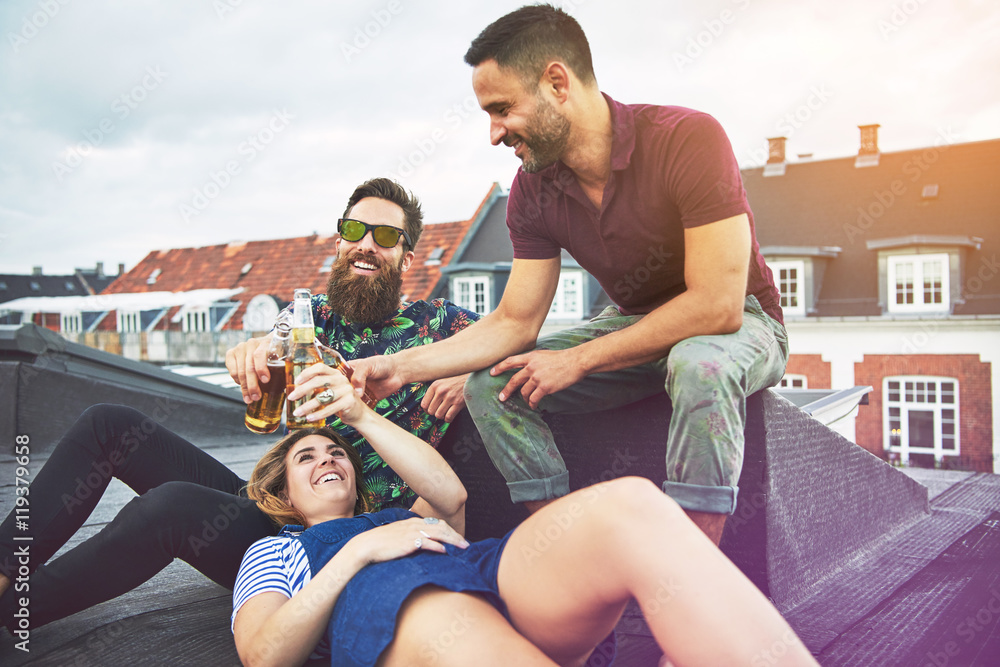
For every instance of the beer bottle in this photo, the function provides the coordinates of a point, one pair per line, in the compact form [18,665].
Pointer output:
[335,359]
[264,415]
[302,354]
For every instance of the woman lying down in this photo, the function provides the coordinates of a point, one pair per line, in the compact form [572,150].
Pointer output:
[400,587]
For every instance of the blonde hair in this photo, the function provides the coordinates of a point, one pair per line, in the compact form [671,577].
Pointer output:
[268,484]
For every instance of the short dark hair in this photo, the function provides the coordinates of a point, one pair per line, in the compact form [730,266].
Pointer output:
[528,39]
[389,190]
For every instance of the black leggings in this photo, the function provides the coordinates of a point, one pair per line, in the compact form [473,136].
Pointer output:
[190,506]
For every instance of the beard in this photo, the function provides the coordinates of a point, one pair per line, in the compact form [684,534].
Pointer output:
[549,132]
[364,299]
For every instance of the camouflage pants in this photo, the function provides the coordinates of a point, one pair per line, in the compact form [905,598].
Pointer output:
[707,378]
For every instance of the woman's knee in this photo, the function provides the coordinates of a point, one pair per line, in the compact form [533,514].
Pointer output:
[628,502]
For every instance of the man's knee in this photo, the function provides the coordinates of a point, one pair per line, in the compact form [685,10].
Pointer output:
[697,363]
[482,388]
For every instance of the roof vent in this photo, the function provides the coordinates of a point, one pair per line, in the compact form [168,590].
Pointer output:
[35,287]
[246,268]
[435,256]
[868,152]
[929,191]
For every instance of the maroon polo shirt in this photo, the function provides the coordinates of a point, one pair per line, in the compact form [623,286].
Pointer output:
[671,169]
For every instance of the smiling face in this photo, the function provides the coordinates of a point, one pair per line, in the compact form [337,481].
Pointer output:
[520,117]
[366,256]
[321,482]
[364,284]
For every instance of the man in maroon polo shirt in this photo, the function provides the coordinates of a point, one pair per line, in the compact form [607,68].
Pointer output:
[649,200]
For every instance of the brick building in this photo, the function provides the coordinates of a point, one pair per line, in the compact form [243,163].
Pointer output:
[887,266]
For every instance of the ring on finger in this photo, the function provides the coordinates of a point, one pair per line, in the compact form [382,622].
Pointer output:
[326,397]
[417,542]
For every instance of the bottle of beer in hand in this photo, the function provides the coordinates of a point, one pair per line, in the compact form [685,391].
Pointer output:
[335,359]
[302,354]
[264,415]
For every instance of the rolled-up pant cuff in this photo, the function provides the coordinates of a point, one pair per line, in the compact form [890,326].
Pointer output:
[700,498]
[539,489]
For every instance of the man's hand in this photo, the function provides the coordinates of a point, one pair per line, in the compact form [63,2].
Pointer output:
[378,373]
[445,398]
[543,372]
[247,365]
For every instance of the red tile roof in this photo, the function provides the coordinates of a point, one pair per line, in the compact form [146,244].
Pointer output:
[278,266]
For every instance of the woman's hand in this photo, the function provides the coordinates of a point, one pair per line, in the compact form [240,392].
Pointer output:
[401,538]
[346,404]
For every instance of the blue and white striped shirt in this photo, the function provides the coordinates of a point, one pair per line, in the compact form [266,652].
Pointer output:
[274,564]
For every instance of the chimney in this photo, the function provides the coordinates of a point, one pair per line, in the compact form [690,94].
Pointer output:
[121,268]
[776,150]
[775,157]
[36,270]
[868,152]
[100,270]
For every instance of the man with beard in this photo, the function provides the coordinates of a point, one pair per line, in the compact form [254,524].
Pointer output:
[182,491]
[650,201]
[362,315]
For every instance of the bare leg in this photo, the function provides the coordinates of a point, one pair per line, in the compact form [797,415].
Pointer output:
[441,628]
[710,524]
[569,569]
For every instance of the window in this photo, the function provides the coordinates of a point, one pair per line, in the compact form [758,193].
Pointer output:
[195,319]
[435,257]
[794,381]
[790,280]
[921,416]
[71,323]
[568,301]
[128,321]
[473,294]
[918,283]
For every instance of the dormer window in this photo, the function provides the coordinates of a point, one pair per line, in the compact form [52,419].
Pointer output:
[798,275]
[921,274]
[789,276]
[918,283]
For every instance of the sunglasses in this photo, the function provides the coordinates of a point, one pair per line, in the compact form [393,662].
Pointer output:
[386,236]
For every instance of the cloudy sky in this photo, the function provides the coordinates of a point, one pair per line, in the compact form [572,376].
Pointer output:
[130,126]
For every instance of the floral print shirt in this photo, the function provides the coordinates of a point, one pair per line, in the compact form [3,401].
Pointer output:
[416,323]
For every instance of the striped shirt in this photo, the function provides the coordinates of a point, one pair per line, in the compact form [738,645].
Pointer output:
[274,564]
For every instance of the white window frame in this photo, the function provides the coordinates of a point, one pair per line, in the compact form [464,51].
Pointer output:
[919,263]
[196,320]
[71,322]
[923,393]
[129,321]
[787,382]
[476,288]
[799,293]
[569,281]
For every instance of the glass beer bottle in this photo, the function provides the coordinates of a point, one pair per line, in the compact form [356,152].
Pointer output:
[336,360]
[264,414]
[302,354]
